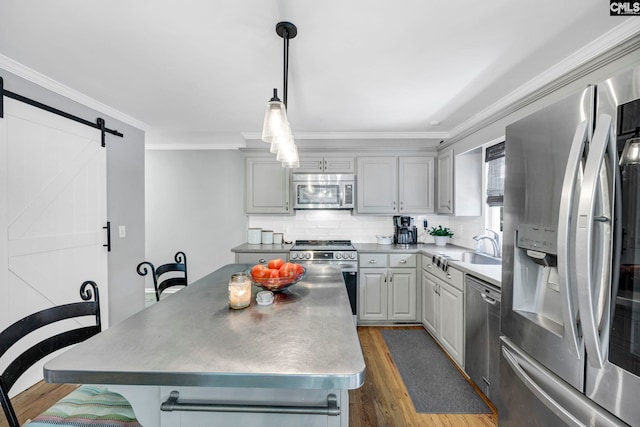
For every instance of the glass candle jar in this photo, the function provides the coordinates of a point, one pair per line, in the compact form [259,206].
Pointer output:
[239,291]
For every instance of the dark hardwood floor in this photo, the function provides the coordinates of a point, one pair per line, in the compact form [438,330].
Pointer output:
[382,401]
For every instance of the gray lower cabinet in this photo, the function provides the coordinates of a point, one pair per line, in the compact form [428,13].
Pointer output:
[387,288]
[443,307]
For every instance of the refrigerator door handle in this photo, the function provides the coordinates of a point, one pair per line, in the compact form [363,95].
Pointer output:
[545,386]
[566,260]
[594,292]
[518,365]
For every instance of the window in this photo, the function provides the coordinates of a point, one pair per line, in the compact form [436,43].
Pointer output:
[494,158]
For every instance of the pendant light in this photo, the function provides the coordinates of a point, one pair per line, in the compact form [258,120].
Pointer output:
[276,129]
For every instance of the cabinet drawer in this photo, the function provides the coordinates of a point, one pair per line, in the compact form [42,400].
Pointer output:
[402,260]
[372,260]
[452,276]
[259,257]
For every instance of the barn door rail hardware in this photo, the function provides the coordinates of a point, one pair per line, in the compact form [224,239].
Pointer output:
[99,124]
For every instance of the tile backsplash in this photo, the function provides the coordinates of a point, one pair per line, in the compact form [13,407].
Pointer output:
[328,224]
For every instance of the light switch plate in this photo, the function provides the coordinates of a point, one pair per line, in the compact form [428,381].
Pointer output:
[122,231]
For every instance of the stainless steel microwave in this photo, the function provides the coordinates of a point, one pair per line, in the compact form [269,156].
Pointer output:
[323,191]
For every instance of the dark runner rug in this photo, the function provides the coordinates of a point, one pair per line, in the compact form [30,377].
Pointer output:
[433,382]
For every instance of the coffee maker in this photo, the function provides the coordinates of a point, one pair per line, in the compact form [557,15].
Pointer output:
[405,233]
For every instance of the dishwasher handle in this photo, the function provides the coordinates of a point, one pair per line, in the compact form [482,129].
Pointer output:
[486,298]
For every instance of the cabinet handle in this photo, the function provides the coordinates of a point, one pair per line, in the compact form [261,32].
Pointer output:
[403,261]
[429,265]
[448,276]
[262,260]
[390,278]
[286,206]
[394,205]
[372,261]
[385,278]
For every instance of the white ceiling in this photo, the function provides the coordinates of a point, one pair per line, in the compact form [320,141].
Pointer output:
[359,67]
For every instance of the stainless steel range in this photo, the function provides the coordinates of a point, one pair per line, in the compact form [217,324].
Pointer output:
[331,252]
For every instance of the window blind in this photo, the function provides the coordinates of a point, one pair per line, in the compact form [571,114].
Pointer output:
[494,157]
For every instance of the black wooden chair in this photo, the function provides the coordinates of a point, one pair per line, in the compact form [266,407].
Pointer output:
[167,275]
[84,400]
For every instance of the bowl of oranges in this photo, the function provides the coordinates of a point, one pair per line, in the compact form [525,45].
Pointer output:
[277,275]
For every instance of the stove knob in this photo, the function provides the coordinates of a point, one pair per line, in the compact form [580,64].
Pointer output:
[294,255]
[338,255]
[352,255]
[307,255]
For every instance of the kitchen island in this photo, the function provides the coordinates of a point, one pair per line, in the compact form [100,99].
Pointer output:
[288,363]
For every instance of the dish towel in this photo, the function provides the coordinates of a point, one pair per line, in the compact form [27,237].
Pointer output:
[441,261]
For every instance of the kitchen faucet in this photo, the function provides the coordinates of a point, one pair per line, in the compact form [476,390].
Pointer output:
[495,242]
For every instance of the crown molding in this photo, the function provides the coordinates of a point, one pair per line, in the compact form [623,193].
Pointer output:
[169,147]
[40,79]
[356,135]
[585,60]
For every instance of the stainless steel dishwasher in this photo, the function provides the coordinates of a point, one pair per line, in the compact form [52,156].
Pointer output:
[482,342]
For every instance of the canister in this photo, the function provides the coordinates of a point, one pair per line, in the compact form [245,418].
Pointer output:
[254,236]
[267,237]
[277,238]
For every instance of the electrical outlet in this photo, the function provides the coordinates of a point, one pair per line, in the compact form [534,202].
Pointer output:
[425,223]
[122,231]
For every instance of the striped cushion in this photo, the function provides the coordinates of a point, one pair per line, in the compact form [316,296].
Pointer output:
[88,406]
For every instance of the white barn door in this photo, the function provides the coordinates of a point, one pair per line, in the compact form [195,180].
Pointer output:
[52,210]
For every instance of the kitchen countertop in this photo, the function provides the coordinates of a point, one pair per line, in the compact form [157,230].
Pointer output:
[489,273]
[306,339]
[259,248]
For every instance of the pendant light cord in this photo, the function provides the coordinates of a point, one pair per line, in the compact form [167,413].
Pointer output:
[285,85]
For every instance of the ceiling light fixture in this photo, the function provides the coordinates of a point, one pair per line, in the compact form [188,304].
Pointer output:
[276,129]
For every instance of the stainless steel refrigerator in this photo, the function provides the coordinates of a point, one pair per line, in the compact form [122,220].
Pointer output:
[570,320]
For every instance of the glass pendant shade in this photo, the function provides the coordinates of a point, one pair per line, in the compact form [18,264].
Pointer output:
[275,121]
[278,142]
[631,152]
[288,155]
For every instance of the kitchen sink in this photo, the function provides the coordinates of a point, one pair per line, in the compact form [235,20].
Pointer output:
[476,258]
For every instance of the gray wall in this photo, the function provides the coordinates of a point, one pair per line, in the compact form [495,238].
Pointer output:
[125,196]
[194,202]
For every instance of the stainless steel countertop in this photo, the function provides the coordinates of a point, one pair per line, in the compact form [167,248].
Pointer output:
[305,339]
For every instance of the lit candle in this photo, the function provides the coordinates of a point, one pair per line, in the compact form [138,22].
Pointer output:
[239,291]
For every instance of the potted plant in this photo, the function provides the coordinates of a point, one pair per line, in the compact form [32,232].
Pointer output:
[441,234]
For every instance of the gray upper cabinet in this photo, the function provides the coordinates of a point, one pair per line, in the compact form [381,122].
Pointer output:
[267,187]
[445,182]
[319,164]
[395,185]
[467,184]
[415,184]
[460,183]
[377,185]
